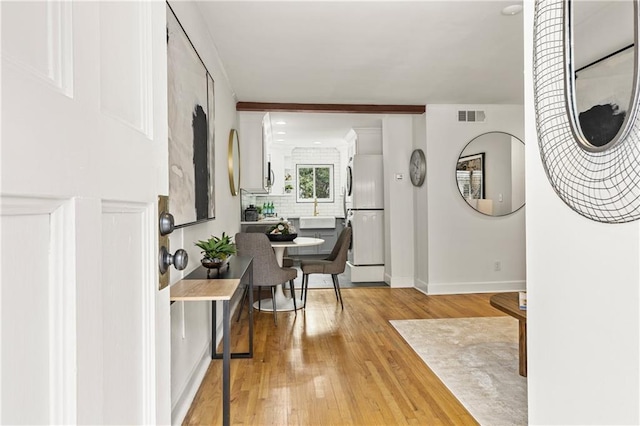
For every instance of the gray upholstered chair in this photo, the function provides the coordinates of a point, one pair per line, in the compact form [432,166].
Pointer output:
[266,271]
[334,265]
[287,262]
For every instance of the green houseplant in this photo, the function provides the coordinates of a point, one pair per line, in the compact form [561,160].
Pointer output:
[216,250]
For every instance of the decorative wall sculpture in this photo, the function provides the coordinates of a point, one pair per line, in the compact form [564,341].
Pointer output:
[601,183]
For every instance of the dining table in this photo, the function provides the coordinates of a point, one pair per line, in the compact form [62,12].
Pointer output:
[284,302]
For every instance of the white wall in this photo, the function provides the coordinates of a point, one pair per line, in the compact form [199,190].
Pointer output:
[397,142]
[420,217]
[583,285]
[190,321]
[463,245]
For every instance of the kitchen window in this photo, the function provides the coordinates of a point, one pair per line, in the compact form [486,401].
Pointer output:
[314,181]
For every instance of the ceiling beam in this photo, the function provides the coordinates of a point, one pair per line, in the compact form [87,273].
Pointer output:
[340,108]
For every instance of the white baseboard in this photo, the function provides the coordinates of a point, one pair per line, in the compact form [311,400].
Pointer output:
[474,287]
[421,285]
[399,282]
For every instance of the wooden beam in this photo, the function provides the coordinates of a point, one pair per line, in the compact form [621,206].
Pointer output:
[339,108]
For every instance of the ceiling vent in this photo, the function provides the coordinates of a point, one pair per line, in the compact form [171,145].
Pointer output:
[471,116]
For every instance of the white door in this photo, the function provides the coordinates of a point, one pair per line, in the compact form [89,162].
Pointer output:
[83,157]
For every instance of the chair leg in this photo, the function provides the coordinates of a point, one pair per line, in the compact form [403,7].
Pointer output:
[273,302]
[293,296]
[305,289]
[336,286]
[245,293]
[335,289]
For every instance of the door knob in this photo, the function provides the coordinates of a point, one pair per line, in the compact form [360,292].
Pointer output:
[179,259]
[166,223]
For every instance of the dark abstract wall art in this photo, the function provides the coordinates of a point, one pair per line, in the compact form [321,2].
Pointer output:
[191,129]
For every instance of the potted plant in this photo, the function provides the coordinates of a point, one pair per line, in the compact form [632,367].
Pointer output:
[288,188]
[216,250]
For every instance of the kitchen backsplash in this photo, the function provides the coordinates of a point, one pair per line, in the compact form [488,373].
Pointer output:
[285,205]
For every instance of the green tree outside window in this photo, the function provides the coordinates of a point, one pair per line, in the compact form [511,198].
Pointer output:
[315,181]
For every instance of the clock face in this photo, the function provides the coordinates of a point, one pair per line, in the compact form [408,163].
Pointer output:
[417,167]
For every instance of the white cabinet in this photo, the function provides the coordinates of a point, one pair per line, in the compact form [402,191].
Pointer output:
[280,159]
[253,168]
[364,141]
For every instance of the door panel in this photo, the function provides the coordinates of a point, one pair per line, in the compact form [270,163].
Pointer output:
[37,312]
[25,312]
[124,296]
[125,77]
[41,42]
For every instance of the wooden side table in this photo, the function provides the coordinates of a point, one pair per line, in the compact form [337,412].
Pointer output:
[509,304]
[220,285]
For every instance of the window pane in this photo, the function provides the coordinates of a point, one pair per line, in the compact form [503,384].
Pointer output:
[305,182]
[323,180]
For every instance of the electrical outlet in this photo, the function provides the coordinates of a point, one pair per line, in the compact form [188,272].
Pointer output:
[497,266]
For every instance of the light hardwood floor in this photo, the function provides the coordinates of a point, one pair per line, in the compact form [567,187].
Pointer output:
[327,366]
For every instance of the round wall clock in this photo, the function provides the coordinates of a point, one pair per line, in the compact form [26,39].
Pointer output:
[417,167]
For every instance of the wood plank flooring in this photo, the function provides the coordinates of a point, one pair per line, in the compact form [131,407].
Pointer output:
[327,366]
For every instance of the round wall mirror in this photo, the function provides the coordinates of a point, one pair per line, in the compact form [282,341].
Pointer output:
[490,173]
[233,162]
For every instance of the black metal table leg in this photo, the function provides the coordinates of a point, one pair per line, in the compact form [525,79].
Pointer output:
[226,363]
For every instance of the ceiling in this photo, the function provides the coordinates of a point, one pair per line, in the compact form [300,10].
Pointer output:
[363,52]
[380,52]
[318,129]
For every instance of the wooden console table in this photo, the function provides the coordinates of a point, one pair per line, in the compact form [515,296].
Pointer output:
[214,285]
[509,304]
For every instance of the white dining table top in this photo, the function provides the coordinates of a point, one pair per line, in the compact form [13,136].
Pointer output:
[298,242]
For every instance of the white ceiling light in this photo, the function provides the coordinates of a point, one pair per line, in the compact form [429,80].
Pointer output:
[317,142]
[281,133]
[279,140]
[281,122]
[511,10]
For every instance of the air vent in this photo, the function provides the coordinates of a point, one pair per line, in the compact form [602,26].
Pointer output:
[471,116]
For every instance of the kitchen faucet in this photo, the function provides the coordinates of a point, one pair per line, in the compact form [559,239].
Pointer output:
[315,206]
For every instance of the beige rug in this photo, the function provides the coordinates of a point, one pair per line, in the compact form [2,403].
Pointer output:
[477,359]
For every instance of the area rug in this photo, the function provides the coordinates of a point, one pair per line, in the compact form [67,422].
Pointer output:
[477,359]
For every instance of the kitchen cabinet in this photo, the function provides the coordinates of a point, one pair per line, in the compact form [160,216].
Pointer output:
[280,159]
[253,161]
[364,141]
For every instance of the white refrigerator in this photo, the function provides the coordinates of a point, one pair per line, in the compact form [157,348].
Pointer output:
[365,209]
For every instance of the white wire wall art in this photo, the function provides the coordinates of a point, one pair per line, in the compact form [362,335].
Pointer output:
[598,181]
